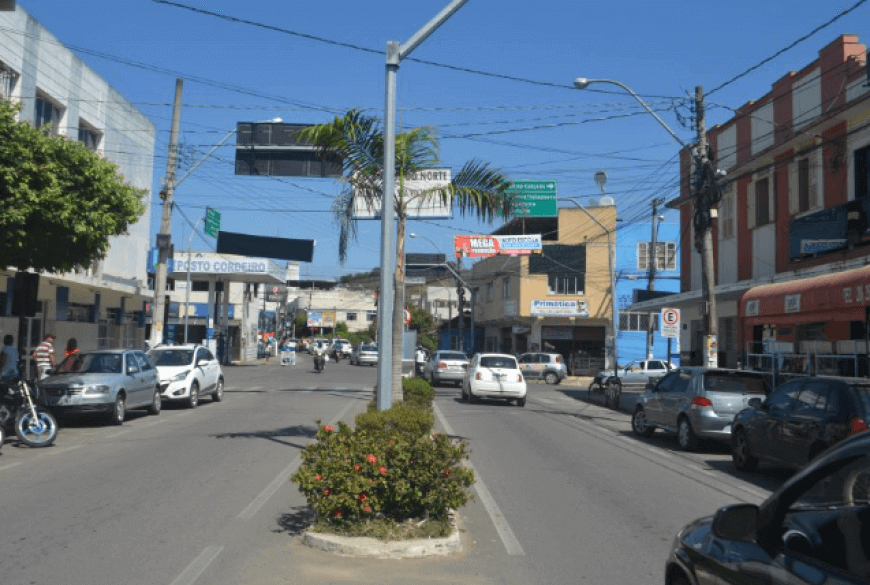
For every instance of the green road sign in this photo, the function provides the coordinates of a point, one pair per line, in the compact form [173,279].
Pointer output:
[534,198]
[212,222]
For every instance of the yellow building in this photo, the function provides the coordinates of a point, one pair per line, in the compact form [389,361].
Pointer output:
[557,301]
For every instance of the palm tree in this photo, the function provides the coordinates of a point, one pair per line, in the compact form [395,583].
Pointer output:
[356,140]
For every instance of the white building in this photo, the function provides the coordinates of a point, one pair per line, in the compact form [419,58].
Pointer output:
[103,306]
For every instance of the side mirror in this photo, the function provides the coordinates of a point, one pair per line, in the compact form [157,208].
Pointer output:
[738,522]
[131,370]
[755,403]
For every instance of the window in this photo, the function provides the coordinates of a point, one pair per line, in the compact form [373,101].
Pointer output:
[371,316]
[783,398]
[762,202]
[862,172]
[489,291]
[7,81]
[351,317]
[666,258]
[88,136]
[506,287]
[46,113]
[631,321]
[726,212]
[803,184]
[563,284]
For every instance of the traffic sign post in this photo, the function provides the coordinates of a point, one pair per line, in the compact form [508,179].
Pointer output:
[212,222]
[670,322]
[534,198]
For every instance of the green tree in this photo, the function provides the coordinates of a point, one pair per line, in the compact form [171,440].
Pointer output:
[426,327]
[356,140]
[59,202]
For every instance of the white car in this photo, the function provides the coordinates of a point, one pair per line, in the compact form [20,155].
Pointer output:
[494,375]
[187,372]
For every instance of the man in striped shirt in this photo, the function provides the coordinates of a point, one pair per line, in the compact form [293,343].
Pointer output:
[44,355]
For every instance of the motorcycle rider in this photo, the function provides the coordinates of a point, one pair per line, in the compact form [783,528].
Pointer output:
[320,356]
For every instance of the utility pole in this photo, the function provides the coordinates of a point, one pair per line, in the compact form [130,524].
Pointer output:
[164,238]
[460,295]
[705,198]
[652,266]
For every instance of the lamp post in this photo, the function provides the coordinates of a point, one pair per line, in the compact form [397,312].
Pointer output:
[614,317]
[463,283]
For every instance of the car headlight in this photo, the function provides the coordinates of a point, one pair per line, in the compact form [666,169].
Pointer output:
[179,376]
[94,390]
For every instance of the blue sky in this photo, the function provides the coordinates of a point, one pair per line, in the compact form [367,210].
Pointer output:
[536,126]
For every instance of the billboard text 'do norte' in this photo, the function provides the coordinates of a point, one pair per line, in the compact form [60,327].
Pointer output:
[486,246]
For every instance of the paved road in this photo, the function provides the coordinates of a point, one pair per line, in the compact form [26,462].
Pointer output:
[566,494]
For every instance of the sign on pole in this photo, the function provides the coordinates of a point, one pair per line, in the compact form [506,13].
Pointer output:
[419,199]
[670,322]
[212,222]
[534,198]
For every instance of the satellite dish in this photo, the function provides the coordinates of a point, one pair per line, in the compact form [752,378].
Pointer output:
[606,201]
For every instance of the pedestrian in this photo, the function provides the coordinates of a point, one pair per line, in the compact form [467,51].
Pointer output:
[8,359]
[72,347]
[44,355]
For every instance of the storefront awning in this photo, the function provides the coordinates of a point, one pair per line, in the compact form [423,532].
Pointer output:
[837,292]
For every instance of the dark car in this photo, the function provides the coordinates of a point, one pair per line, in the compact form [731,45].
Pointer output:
[815,529]
[799,420]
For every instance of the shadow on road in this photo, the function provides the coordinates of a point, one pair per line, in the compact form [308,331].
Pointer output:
[304,431]
[294,522]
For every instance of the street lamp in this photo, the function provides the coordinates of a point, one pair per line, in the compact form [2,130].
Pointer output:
[614,317]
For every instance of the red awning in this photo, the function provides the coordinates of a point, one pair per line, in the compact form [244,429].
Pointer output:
[830,292]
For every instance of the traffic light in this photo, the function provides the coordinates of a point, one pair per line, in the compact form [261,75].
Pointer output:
[460,293]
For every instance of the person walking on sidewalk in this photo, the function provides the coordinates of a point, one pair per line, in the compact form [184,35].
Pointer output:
[44,356]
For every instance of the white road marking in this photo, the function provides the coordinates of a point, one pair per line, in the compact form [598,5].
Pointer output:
[189,575]
[64,450]
[251,510]
[10,465]
[118,434]
[511,544]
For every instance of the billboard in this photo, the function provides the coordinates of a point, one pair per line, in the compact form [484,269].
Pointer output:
[546,308]
[274,149]
[420,202]
[486,246]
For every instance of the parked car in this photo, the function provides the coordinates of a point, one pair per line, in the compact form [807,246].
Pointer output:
[446,366]
[799,420]
[494,375]
[549,367]
[696,403]
[813,529]
[364,354]
[638,373]
[107,382]
[187,372]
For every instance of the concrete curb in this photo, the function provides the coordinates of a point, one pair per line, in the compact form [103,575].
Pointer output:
[365,547]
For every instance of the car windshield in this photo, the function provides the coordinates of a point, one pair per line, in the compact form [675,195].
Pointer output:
[736,384]
[497,361]
[452,355]
[172,357]
[91,363]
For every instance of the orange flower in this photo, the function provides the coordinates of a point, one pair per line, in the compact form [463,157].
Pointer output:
[382,470]
[356,467]
[328,428]
[371,459]
[326,492]
[317,477]
[446,473]
[391,441]
[337,513]
[367,509]
[363,497]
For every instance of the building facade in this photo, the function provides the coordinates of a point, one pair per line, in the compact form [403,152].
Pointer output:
[790,240]
[558,301]
[103,306]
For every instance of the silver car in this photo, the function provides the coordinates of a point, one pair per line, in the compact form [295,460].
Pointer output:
[696,403]
[549,367]
[108,382]
[364,354]
[446,366]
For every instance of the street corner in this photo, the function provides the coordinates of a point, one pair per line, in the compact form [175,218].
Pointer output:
[366,547]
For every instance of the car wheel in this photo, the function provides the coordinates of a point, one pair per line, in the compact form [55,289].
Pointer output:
[156,403]
[551,378]
[463,394]
[640,425]
[118,410]
[218,391]
[740,454]
[521,401]
[679,580]
[686,437]
[193,398]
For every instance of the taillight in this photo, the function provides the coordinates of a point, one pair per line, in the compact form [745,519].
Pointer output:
[520,377]
[558,359]
[478,376]
[701,401]
[441,365]
[857,426]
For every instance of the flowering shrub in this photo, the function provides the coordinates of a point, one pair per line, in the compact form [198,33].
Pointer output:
[390,466]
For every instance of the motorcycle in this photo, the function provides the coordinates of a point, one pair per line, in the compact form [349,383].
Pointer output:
[34,426]
[319,362]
